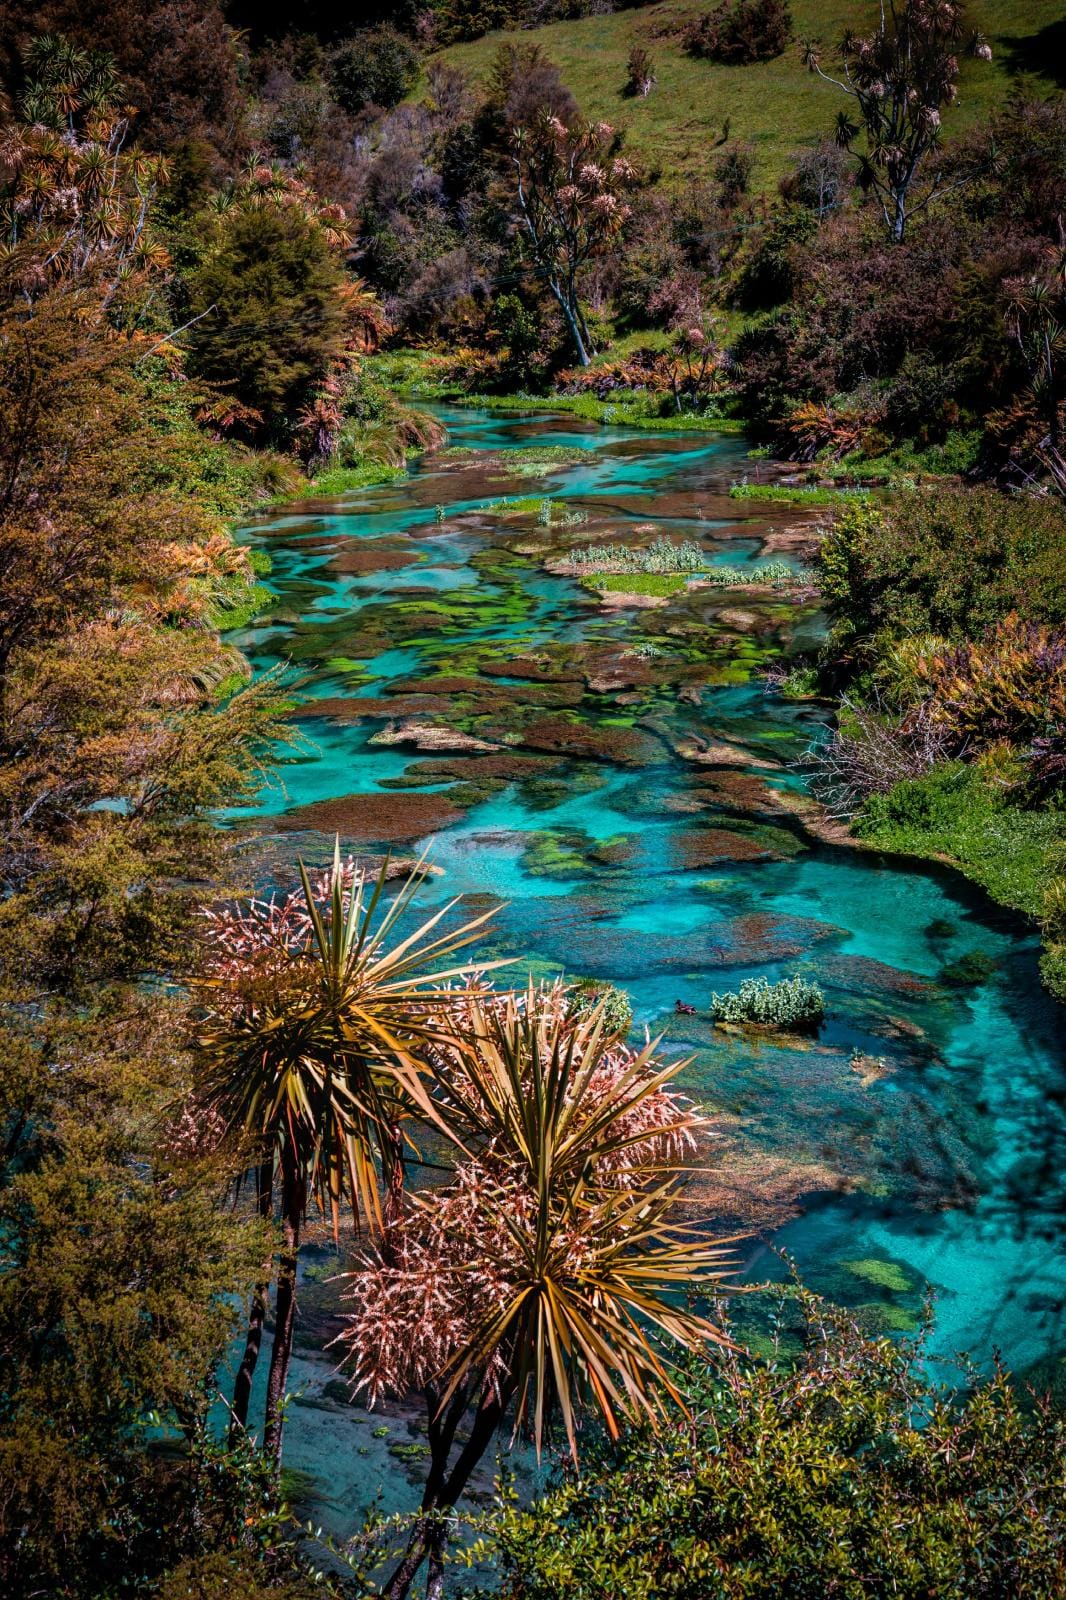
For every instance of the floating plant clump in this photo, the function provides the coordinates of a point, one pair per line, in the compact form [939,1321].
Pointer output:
[662,555]
[777,1005]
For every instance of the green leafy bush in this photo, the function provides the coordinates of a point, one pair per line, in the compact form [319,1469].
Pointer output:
[266,289]
[951,562]
[662,555]
[771,572]
[617,1006]
[738,32]
[375,67]
[779,1005]
[841,1471]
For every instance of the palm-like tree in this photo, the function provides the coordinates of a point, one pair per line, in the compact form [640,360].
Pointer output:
[314,1009]
[548,1276]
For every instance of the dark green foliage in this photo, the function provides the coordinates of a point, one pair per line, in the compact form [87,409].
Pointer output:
[791,1002]
[738,32]
[375,67]
[523,327]
[969,971]
[117,1274]
[266,288]
[945,561]
[768,273]
[835,1469]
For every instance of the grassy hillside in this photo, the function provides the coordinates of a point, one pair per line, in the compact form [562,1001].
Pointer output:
[777,104]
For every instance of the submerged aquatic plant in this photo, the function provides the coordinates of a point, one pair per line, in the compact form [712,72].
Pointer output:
[790,1001]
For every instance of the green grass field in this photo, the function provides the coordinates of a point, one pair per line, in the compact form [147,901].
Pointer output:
[778,105]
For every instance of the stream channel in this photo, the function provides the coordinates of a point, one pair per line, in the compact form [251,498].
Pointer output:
[624,790]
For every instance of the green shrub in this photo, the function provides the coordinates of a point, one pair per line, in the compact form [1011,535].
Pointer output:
[783,1004]
[375,67]
[617,1006]
[266,292]
[739,32]
[662,555]
[772,572]
[1053,970]
[799,683]
[835,1470]
[943,561]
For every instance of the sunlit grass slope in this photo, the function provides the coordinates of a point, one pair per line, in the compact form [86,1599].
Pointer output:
[777,105]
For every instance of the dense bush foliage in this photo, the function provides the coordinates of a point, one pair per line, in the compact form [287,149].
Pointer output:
[945,561]
[266,288]
[839,1470]
[375,67]
[662,555]
[738,32]
[780,1005]
[184,206]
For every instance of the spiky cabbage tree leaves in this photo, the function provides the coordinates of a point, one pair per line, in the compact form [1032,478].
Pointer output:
[316,1010]
[549,1276]
[899,79]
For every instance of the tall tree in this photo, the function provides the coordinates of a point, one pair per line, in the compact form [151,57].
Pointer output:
[900,78]
[569,188]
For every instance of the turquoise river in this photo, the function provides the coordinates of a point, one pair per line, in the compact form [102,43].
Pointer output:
[619,779]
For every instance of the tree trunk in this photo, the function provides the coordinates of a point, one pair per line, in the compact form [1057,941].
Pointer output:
[437,1541]
[428,1536]
[293,1200]
[571,317]
[242,1385]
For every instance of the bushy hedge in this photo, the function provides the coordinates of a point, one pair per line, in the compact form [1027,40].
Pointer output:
[739,32]
[946,561]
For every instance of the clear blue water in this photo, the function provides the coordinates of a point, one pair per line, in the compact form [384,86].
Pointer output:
[941,1168]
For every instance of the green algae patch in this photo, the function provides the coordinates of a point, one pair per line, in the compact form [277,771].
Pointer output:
[879,1316]
[733,839]
[882,1274]
[363,556]
[570,736]
[660,585]
[572,853]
